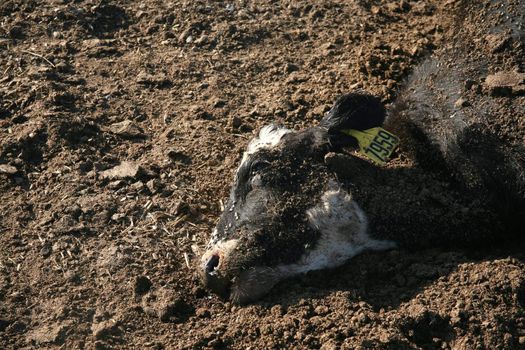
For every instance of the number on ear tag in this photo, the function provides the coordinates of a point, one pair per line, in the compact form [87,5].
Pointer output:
[376,143]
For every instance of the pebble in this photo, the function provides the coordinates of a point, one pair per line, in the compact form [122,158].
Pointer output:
[137,186]
[8,169]
[461,102]
[126,169]
[521,340]
[154,185]
[127,129]
[117,216]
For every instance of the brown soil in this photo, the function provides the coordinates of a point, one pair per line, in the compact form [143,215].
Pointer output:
[121,124]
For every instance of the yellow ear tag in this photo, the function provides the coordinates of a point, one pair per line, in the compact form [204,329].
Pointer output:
[376,143]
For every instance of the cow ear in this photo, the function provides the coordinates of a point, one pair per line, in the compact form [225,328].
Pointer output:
[358,110]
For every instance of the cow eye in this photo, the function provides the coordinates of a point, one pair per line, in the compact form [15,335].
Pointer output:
[257,166]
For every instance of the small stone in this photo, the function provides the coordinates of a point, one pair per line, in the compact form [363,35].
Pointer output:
[461,102]
[142,285]
[8,169]
[127,129]
[125,170]
[114,185]
[202,40]
[117,216]
[154,185]
[521,340]
[137,186]
[203,313]
[182,37]
[376,10]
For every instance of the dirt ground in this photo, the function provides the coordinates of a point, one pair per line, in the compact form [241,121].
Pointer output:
[121,124]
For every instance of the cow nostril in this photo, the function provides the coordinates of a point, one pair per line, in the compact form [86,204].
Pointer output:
[212,263]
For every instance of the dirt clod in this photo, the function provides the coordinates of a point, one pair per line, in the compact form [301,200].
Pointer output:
[127,129]
[168,306]
[505,83]
[124,170]
[48,334]
[105,329]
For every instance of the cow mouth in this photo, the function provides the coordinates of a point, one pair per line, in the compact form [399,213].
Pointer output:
[217,284]
[245,287]
[253,283]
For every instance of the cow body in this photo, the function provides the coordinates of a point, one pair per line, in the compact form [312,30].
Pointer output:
[298,203]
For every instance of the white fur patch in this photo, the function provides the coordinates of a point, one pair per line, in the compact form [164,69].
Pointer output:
[269,137]
[343,226]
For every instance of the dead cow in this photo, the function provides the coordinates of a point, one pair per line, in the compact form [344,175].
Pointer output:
[298,203]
